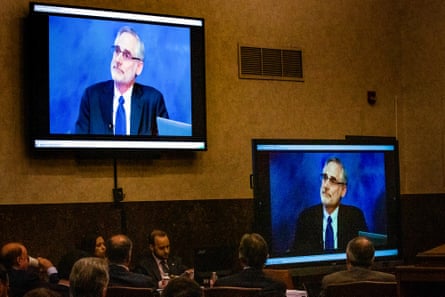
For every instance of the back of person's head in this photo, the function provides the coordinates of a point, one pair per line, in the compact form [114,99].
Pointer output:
[41,292]
[10,252]
[155,233]
[89,277]
[67,261]
[181,287]
[253,250]
[360,252]
[119,249]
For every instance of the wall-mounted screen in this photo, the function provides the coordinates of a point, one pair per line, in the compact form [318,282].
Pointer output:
[85,60]
[298,184]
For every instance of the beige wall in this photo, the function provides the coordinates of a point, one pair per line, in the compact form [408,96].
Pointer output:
[349,47]
[422,103]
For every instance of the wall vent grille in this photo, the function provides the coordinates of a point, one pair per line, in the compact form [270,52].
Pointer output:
[271,64]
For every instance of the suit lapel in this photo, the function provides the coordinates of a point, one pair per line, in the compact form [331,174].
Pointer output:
[340,232]
[136,110]
[106,102]
[318,225]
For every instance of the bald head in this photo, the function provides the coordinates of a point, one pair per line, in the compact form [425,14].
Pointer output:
[360,252]
[119,249]
[14,255]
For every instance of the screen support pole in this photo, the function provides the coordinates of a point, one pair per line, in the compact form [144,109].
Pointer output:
[118,197]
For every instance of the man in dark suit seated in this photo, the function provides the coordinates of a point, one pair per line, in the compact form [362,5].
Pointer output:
[359,259]
[121,106]
[119,249]
[253,252]
[329,225]
[157,262]
[24,271]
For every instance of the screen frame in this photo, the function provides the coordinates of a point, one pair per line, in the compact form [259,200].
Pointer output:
[38,107]
[262,202]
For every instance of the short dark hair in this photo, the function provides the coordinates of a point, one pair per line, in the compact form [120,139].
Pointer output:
[154,233]
[119,249]
[89,277]
[360,252]
[182,287]
[253,250]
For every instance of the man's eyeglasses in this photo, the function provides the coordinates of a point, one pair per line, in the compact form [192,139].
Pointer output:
[126,55]
[332,179]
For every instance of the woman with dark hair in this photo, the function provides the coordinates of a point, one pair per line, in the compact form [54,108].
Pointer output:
[94,244]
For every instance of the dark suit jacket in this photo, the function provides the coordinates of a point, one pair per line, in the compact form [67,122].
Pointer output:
[119,276]
[309,228]
[253,278]
[353,275]
[96,110]
[147,265]
[22,281]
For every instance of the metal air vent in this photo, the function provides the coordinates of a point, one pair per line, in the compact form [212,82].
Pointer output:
[271,64]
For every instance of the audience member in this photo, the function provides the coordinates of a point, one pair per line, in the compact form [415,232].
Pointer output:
[24,277]
[89,278]
[157,262]
[42,292]
[94,244]
[119,251]
[253,253]
[4,281]
[182,287]
[359,259]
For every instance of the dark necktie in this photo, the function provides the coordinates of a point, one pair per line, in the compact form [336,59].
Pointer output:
[121,119]
[329,236]
[165,267]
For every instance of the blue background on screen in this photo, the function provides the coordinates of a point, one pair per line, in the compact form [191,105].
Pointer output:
[295,185]
[80,55]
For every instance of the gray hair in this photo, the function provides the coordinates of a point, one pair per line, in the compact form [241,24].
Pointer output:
[140,47]
[89,277]
[339,163]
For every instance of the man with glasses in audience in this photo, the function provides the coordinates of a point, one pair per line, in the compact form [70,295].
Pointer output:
[330,225]
[121,106]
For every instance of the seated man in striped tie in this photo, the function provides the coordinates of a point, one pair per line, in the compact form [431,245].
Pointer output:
[121,106]
[329,225]
[157,261]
